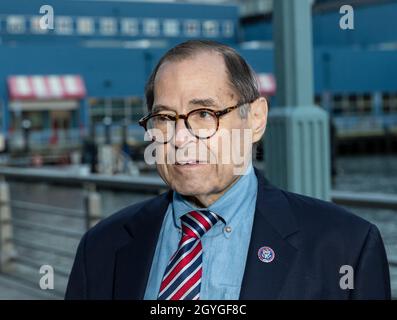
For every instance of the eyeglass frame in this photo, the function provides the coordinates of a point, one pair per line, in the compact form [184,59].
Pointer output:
[218,114]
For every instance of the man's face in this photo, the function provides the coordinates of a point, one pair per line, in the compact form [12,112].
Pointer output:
[182,86]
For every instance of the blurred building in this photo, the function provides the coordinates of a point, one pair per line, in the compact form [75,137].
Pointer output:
[94,63]
[354,69]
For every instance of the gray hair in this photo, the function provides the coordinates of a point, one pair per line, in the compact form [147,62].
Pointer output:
[240,75]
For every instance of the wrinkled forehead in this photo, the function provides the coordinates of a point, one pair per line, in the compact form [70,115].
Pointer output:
[203,74]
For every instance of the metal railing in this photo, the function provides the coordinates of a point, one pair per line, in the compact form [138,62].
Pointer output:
[34,233]
[365,199]
[72,137]
[39,139]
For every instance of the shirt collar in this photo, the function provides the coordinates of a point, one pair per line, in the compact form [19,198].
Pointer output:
[228,205]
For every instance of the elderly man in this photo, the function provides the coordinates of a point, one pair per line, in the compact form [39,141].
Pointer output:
[222,231]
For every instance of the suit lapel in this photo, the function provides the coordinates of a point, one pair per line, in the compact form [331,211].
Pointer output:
[134,260]
[273,224]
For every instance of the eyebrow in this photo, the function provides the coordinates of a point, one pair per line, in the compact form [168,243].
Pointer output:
[206,102]
[161,107]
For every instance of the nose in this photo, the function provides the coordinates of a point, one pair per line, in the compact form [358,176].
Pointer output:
[182,134]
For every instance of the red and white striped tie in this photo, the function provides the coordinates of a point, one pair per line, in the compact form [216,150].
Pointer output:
[182,277]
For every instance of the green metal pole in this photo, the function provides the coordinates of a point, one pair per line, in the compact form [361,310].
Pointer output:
[297,155]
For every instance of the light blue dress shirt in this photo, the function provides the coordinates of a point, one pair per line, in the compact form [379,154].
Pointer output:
[225,245]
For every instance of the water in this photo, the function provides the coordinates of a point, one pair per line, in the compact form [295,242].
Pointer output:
[367,174]
[374,174]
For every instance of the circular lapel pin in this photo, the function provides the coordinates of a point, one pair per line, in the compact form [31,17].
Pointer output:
[266,254]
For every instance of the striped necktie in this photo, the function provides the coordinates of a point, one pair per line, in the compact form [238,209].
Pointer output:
[182,277]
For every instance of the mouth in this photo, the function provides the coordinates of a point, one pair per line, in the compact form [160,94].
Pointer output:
[189,162]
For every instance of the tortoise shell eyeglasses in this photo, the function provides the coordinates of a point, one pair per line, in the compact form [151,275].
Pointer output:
[202,123]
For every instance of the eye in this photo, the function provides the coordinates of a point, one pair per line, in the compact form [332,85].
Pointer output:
[162,118]
[205,114]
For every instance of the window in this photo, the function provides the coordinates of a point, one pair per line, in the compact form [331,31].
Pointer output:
[352,107]
[63,25]
[129,27]
[35,25]
[386,103]
[15,24]
[171,28]
[36,119]
[97,110]
[228,29]
[108,26]
[85,25]
[393,103]
[151,27]
[118,110]
[366,103]
[337,104]
[210,28]
[192,28]
[135,108]
[128,109]
[389,103]
[345,104]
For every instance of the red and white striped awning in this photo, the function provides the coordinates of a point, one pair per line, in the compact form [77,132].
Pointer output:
[48,87]
[267,84]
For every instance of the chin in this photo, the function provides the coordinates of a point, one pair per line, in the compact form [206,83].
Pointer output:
[188,188]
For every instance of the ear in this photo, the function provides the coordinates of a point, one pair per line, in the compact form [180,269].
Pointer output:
[259,110]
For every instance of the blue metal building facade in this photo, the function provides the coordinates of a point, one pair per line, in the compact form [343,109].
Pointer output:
[114,45]
[354,70]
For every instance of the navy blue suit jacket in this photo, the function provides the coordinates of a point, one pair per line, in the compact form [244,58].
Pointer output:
[311,239]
